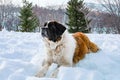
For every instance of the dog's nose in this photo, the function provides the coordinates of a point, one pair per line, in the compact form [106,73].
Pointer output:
[44,33]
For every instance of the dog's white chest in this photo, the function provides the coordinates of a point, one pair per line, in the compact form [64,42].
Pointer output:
[57,58]
[62,52]
[58,54]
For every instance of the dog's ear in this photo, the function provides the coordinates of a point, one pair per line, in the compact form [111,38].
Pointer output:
[60,29]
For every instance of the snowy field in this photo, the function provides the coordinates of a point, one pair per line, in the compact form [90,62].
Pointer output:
[21,55]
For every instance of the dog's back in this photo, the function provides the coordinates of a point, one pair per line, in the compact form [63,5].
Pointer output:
[83,46]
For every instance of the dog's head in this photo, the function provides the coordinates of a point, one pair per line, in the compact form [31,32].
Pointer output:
[53,31]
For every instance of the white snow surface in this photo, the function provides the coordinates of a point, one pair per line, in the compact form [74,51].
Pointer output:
[21,56]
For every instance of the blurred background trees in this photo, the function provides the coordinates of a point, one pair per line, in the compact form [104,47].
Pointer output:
[77,20]
[104,17]
[8,15]
[113,9]
[28,21]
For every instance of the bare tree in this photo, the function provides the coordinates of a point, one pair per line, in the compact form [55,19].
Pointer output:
[113,8]
[8,15]
[2,12]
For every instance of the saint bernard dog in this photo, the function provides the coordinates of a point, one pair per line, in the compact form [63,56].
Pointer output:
[63,48]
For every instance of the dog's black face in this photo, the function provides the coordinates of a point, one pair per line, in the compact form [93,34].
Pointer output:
[53,31]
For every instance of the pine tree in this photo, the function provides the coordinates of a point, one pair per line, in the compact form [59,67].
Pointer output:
[77,21]
[28,21]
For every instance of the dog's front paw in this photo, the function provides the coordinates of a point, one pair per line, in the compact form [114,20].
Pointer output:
[54,74]
[40,74]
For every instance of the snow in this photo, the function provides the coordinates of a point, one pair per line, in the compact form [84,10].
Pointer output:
[21,56]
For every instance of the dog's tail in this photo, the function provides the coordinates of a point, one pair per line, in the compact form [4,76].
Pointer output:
[84,45]
[91,46]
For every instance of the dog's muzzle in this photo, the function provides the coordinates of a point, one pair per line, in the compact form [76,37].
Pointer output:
[44,32]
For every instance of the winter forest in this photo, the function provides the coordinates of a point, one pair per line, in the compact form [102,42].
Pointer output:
[105,16]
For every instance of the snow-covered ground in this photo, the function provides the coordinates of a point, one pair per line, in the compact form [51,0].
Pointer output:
[21,55]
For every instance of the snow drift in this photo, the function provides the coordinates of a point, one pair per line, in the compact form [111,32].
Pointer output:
[21,55]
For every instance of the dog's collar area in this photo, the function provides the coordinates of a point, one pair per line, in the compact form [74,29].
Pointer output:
[58,39]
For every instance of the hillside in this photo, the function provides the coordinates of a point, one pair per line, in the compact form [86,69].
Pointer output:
[21,55]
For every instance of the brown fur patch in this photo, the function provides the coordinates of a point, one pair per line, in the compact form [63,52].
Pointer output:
[84,45]
[59,48]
